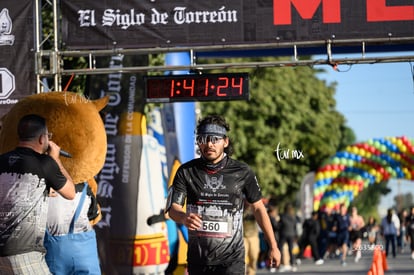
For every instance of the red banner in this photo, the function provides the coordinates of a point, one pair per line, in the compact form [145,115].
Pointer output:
[137,24]
[17,77]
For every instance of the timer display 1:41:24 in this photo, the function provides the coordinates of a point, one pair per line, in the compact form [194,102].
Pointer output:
[204,87]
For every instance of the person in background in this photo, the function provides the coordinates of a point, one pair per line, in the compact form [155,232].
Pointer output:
[410,230]
[402,236]
[288,235]
[27,174]
[355,235]
[214,188]
[275,220]
[342,227]
[389,231]
[310,235]
[323,234]
[72,246]
[372,230]
[251,240]
[328,222]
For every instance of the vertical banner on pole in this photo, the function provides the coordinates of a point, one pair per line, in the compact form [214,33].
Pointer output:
[179,125]
[17,77]
[130,186]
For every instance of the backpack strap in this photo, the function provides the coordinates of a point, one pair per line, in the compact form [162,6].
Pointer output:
[78,209]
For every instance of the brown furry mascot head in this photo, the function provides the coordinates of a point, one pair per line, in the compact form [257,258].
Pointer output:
[76,125]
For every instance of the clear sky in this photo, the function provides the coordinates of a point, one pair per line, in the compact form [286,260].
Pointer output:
[377,101]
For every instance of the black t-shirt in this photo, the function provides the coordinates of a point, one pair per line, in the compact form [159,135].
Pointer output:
[311,228]
[25,178]
[342,222]
[218,198]
[410,224]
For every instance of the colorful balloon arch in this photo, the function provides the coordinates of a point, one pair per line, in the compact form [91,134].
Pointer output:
[348,172]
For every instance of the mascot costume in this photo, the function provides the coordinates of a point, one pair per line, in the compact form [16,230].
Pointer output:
[77,128]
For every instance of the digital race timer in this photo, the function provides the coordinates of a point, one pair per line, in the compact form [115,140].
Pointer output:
[197,87]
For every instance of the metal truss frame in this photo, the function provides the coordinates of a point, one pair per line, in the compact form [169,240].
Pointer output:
[50,62]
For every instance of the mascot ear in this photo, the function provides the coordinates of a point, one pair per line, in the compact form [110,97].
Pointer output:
[101,103]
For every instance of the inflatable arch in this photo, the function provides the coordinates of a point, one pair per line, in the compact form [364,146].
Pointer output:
[348,172]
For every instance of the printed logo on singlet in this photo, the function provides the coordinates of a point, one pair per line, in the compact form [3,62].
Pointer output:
[214,183]
[13,160]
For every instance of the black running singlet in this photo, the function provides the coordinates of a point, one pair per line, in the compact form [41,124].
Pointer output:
[218,197]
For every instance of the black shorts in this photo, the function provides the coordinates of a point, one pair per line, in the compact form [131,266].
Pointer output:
[342,237]
[234,268]
[355,235]
[332,236]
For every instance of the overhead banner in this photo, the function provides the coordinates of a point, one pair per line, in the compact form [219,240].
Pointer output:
[136,24]
[17,77]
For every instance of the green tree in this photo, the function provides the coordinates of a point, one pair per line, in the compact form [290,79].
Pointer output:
[403,201]
[287,128]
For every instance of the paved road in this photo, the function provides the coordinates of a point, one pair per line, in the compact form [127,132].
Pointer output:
[402,264]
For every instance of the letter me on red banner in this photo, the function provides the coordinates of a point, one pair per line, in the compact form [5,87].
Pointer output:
[376,11]
[17,77]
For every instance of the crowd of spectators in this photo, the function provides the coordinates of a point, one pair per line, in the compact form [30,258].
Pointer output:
[336,235]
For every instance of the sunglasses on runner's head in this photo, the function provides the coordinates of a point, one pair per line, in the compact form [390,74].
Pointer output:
[204,139]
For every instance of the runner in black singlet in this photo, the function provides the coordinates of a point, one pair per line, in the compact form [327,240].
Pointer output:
[214,188]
